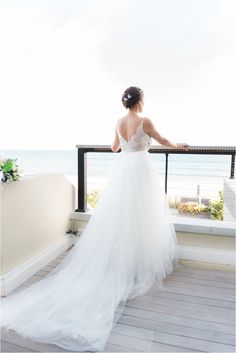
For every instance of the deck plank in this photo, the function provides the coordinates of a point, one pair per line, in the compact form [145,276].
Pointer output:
[191,298]
[186,278]
[192,343]
[199,291]
[161,347]
[193,305]
[203,269]
[10,347]
[133,343]
[14,338]
[194,312]
[225,293]
[178,329]
[207,266]
[115,348]
[134,331]
[175,319]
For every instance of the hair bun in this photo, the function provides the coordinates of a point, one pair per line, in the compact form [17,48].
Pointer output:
[131,96]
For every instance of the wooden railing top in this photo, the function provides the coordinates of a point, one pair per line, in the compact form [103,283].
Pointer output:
[164,149]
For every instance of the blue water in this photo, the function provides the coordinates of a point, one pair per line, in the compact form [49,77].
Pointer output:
[188,170]
[51,161]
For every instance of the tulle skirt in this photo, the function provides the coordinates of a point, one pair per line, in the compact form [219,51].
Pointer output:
[128,244]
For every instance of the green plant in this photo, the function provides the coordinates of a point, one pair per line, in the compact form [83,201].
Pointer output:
[93,197]
[9,170]
[192,207]
[217,207]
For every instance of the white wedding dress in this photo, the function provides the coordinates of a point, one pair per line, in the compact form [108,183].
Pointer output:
[128,244]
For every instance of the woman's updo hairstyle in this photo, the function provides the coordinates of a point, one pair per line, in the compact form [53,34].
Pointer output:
[131,96]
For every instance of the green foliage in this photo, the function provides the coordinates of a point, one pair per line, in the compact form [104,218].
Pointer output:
[9,170]
[93,197]
[217,207]
[7,166]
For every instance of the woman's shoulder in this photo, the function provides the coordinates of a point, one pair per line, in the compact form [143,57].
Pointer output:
[147,119]
[124,118]
[148,122]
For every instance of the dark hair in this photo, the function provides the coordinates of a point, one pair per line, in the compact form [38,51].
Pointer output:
[131,96]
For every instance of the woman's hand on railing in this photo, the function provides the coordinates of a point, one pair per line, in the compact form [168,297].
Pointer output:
[183,146]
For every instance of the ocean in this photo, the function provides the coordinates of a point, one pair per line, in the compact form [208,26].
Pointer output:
[187,174]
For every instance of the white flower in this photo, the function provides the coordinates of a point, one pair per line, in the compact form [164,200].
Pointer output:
[128,97]
[1,175]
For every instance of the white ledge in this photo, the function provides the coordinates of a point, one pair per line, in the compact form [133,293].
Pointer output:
[183,224]
[206,226]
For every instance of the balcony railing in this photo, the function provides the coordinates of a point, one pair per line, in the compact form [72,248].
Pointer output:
[193,150]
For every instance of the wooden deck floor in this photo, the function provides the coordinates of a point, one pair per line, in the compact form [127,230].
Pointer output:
[195,313]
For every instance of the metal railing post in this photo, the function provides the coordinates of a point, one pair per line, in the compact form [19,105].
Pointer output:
[166,172]
[232,166]
[82,181]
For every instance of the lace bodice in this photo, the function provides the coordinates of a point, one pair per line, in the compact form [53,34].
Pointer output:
[138,142]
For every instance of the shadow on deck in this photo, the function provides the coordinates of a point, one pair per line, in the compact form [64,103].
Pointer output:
[195,313]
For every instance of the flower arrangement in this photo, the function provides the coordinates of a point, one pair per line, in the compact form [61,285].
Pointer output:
[193,207]
[9,170]
[215,209]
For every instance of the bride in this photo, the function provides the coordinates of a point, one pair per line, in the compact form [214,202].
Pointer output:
[128,244]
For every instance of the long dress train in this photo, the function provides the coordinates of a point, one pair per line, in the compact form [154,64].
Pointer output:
[128,244]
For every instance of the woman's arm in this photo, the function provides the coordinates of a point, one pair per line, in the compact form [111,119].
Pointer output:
[115,146]
[151,131]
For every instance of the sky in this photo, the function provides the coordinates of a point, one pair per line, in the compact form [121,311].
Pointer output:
[65,64]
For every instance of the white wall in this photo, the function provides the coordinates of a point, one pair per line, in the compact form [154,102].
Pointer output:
[198,239]
[229,195]
[34,214]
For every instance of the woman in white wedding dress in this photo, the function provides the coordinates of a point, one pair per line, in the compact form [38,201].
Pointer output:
[128,244]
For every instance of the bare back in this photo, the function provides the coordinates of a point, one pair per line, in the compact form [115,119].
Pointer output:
[127,126]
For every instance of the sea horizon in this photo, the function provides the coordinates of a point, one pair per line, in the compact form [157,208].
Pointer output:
[186,173]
